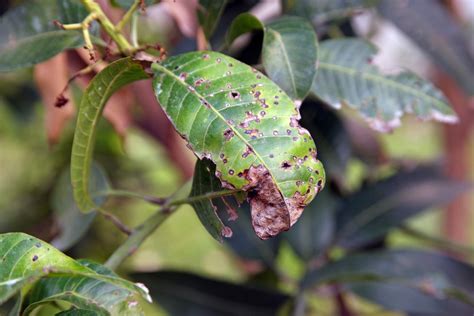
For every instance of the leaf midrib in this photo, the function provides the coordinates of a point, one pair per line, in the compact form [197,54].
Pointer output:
[218,114]
[375,77]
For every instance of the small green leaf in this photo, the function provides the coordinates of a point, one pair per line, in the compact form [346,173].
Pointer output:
[28,35]
[289,55]
[243,23]
[25,259]
[104,84]
[84,293]
[209,13]
[204,182]
[73,224]
[346,76]
[241,120]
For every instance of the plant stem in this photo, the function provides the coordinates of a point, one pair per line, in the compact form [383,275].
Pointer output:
[128,15]
[211,195]
[122,43]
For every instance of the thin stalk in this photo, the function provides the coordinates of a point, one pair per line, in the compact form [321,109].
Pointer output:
[128,15]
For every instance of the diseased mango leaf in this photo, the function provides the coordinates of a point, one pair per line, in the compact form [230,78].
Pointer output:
[289,55]
[439,276]
[346,76]
[101,87]
[243,23]
[205,181]
[243,122]
[84,293]
[370,213]
[209,13]
[25,259]
[73,224]
[187,294]
[320,11]
[435,30]
[28,35]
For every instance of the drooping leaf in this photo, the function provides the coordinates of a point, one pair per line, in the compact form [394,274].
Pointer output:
[320,11]
[84,293]
[413,271]
[289,55]
[205,181]
[25,259]
[414,301]
[73,224]
[187,294]
[104,84]
[329,131]
[314,231]
[243,23]
[345,76]
[370,213]
[239,119]
[431,26]
[209,13]
[28,35]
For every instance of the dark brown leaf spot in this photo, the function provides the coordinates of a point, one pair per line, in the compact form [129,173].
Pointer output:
[286,165]
[35,257]
[234,94]
[228,134]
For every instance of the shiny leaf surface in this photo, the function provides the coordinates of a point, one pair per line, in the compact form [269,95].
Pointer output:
[242,24]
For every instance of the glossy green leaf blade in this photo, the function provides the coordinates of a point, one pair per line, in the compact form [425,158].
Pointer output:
[368,214]
[243,23]
[320,11]
[243,122]
[209,13]
[437,32]
[73,224]
[84,293]
[28,35]
[102,86]
[204,182]
[25,259]
[188,294]
[289,55]
[346,76]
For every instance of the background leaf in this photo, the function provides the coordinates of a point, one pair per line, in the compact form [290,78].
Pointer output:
[187,294]
[26,259]
[239,119]
[243,23]
[345,76]
[289,55]
[320,11]
[209,13]
[435,31]
[73,224]
[370,213]
[28,35]
[84,293]
[102,86]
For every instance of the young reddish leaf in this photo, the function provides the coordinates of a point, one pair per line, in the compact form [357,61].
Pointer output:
[235,116]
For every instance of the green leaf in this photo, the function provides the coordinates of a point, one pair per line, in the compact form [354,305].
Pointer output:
[77,312]
[84,293]
[28,35]
[188,294]
[313,233]
[101,87]
[437,32]
[243,23]
[413,271]
[370,213]
[204,182]
[25,259]
[73,224]
[209,13]
[12,307]
[239,119]
[346,76]
[320,11]
[289,55]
